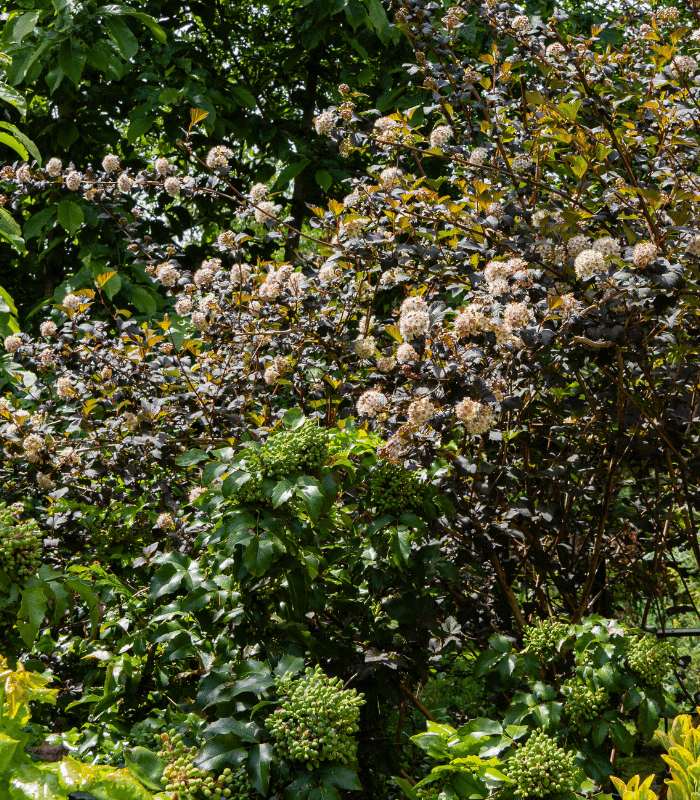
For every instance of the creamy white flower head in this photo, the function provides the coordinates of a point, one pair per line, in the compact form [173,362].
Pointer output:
[413,303]
[588,263]
[167,274]
[406,354]
[12,343]
[203,277]
[324,123]
[64,388]
[477,417]
[271,375]
[644,253]
[172,186]
[414,323]
[365,347]
[440,136]
[199,320]
[386,363]
[469,322]
[124,182]
[183,306]
[521,23]
[516,315]
[420,411]
[371,403]
[390,176]
[165,522]
[693,246]
[226,240]
[218,156]
[607,246]
[257,193]
[265,212]
[162,165]
[577,244]
[110,163]
[73,180]
[479,156]
[54,167]
[239,273]
[48,328]
[521,162]
[72,301]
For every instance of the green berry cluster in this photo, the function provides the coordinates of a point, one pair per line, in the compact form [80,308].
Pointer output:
[543,638]
[431,792]
[540,768]
[182,780]
[304,449]
[652,659]
[393,490]
[20,545]
[583,703]
[317,718]
[241,788]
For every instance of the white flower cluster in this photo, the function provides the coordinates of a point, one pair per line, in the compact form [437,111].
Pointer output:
[693,246]
[496,274]
[110,163]
[64,388]
[365,347]
[406,354]
[226,240]
[440,135]
[495,210]
[167,274]
[257,193]
[324,123]
[73,181]
[469,321]
[48,328]
[165,522]
[521,163]
[265,211]
[371,403]
[203,276]
[172,186]
[386,363]
[353,227]
[516,315]
[608,246]
[520,23]
[72,302]
[162,165]
[644,253]
[414,319]
[328,273]
[218,156]
[387,130]
[270,375]
[12,343]
[577,244]
[554,50]
[54,167]
[183,306]
[478,156]
[477,417]
[588,263]
[420,411]
[683,65]
[124,182]
[240,273]
[390,177]
[200,321]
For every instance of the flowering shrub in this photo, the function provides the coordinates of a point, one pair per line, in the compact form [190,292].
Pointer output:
[471,395]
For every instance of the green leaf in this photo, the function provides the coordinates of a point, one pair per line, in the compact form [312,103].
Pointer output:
[17,27]
[648,719]
[18,147]
[103,57]
[71,59]
[379,21]
[599,731]
[500,643]
[138,127]
[8,746]
[289,173]
[145,766]
[297,591]
[124,39]
[191,457]
[340,777]
[400,546]
[31,613]
[289,663]
[324,179]
[13,97]
[260,553]
[355,13]
[11,232]
[143,300]
[70,216]
[258,766]
[151,24]
[54,78]
[283,490]
[242,96]
[24,140]
[30,781]
[309,490]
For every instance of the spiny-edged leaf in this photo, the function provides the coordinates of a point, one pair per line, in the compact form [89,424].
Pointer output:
[340,777]
[289,663]
[284,489]
[31,613]
[258,766]
[145,766]
[260,553]
[197,115]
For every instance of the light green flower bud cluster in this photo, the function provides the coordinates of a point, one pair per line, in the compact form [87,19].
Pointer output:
[20,545]
[317,718]
[304,449]
[394,490]
[583,703]
[541,769]
[182,780]
[652,659]
[543,638]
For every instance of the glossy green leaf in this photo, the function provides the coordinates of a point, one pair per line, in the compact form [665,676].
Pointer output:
[145,766]
[70,216]
[71,58]
[258,766]
[124,39]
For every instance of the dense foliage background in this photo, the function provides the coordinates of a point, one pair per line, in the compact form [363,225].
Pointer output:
[349,348]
